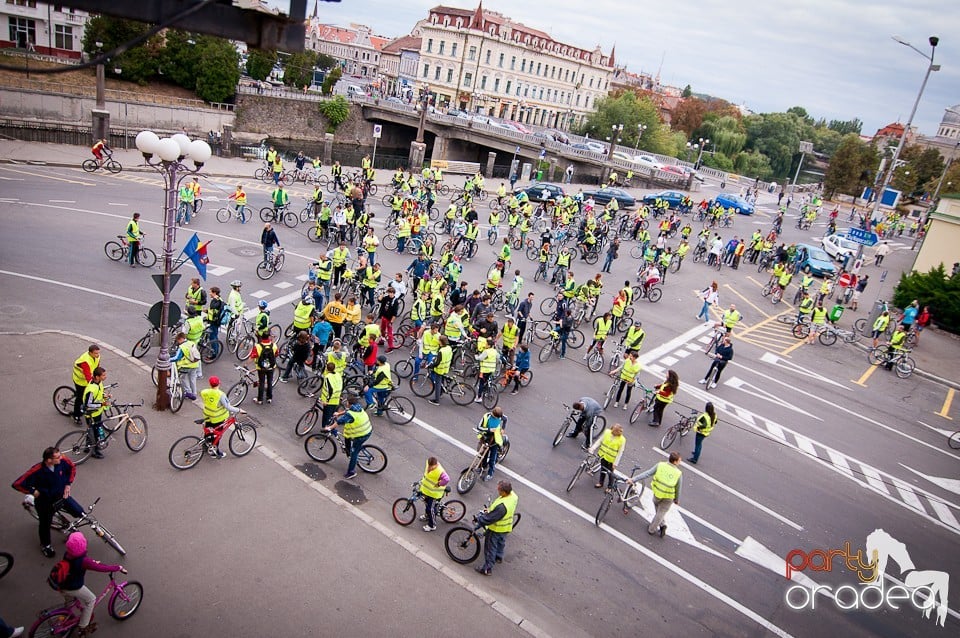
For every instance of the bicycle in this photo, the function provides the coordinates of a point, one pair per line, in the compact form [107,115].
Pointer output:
[597,425]
[595,359]
[719,332]
[463,543]
[116,251]
[110,164]
[828,334]
[772,290]
[651,294]
[322,447]
[226,213]
[508,376]
[6,563]
[468,477]
[65,395]
[626,493]
[281,214]
[590,464]
[645,404]
[460,393]
[143,345]
[187,451]
[79,445]
[61,523]
[174,386]
[903,364]
[448,510]
[680,428]
[237,392]
[273,264]
[125,599]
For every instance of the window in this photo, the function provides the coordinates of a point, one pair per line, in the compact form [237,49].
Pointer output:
[63,36]
[430,45]
[449,76]
[523,66]
[453,50]
[23,3]
[436,74]
[426,70]
[487,60]
[566,75]
[442,45]
[541,95]
[483,82]
[500,63]
[526,91]
[513,62]
[23,31]
[553,72]
[472,54]
[467,79]
[578,100]
[496,85]
[507,90]
[591,82]
[538,68]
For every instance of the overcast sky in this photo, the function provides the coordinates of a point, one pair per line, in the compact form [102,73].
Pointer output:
[835,58]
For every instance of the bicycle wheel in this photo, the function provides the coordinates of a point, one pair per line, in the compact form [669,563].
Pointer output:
[575,339]
[63,398]
[654,294]
[421,384]
[126,600]
[76,446]
[828,337]
[267,214]
[291,219]
[490,398]
[89,165]
[400,410]
[452,511]
[265,270]
[526,378]
[851,336]
[599,425]
[310,386]
[562,432]
[113,250]
[6,562]
[404,511]
[113,166]
[56,623]
[306,422]
[404,369]
[640,408]
[604,508]
[577,475]
[801,330]
[242,439]
[547,306]
[210,351]
[223,215]
[146,258]
[186,452]
[135,433]
[320,447]
[788,318]
[878,356]
[905,367]
[547,351]
[669,437]
[371,459]
[260,174]
[595,361]
[468,478]
[142,346]
[462,394]
[860,325]
[238,392]
[245,347]
[176,397]
[608,397]
[954,441]
[462,545]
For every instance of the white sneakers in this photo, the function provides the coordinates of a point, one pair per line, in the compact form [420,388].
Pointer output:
[702,381]
[713,385]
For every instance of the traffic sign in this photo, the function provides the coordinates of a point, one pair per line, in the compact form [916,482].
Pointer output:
[864,237]
[377,130]
[155,311]
[845,280]
[158,279]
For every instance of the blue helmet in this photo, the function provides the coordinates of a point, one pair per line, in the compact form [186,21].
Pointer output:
[262,304]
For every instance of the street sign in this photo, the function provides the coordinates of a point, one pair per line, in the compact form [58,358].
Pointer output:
[845,280]
[806,147]
[158,279]
[861,236]
[377,130]
[156,309]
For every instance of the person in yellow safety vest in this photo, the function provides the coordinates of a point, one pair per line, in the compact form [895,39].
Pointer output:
[239,198]
[437,303]
[570,286]
[818,322]
[277,168]
[379,385]
[196,296]
[453,327]
[216,411]
[195,187]
[806,280]
[609,447]
[633,339]
[628,372]
[370,333]
[487,361]
[601,328]
[498,519]
[471,234]
[805,309]
[324,271]
[303,315]
[441,367]
[704,426]
[490,431]
[824,290]
[665,485]
[187,359]
[682,250]
[778,270]
[730,318]
[433,487]
[83,368]
[94,404]
[880,326]
[271,155]
[371,279]
[493,281]
[185,208]
[898,341]
[356,430]
[279,198]
[783,281]
[510,335]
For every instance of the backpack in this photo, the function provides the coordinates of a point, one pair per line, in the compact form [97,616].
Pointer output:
[58,574]
[267,359]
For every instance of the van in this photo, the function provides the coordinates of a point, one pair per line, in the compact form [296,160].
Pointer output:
[355,91]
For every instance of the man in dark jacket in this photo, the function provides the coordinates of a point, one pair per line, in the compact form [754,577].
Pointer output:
[722,356]
[47,483]
[386,313]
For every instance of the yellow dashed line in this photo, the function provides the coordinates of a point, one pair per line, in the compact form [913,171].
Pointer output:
[945,410]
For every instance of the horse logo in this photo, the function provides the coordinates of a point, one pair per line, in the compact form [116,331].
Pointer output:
[882,547]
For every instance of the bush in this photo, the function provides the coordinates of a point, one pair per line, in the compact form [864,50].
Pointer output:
[336,111]
[934,289]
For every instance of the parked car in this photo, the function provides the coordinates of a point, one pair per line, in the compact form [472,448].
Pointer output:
[673,198]
[480,119]
[559,136]
[647,161]
[542,136]
[837,246]
[504,125]
[596,147]
[737,203]
[817,260]
[623,157]
[520,127]
[605,194]
[674,169]
[537,190]
[393,99]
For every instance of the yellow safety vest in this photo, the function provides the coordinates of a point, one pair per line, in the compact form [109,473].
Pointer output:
[194,328]
[431,342]
[340,256]
[453,327]
[371,278]
[819,316]
[730,319]
[806,306]
[430,483]
[665,479]
[445,355]
[371,332]
[384,383]
[301,316]
[505,524]
[96,389]
[358,426]
[332,388]
[78,376]
[879,325]
[630,370]
[184,362]
[704,424]
[213,411]
[610,446]
[488,361]
[510,334]
[324,269]
[339,359]
[194,296]
[601,328]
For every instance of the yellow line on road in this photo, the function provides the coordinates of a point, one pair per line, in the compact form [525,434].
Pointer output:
[728,286]
[945,410]
[44,176]
[865,376]
[786,351]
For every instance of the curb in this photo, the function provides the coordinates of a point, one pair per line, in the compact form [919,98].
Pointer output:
[920,373]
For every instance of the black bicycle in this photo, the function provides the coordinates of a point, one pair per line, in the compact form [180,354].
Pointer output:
[463,543]
[448,510]
[63,524]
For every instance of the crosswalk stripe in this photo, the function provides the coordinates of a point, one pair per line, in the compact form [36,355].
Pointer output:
[873,478]
[944,513]
[909,496]
[840,462]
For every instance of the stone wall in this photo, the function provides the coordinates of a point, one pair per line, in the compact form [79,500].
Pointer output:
[277,117]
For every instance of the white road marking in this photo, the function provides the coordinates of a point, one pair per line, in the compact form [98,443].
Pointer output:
[769,357]
[756,391]
[12,179]
[944,512]
[945,433]
[57,282]
[949,484]
[757,553]
[669,361]
[274,303]
[908,495]
[673,344]
[283,285]
[806,445]
[219,271]
[303,277]
[260,294]
[840,462]
[62,201]
[116,204]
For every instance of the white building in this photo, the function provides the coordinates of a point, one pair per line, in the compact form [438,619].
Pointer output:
[355,47]
[399,60]
[46,28]
[483,61]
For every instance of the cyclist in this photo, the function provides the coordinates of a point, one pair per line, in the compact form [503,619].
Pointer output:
[879,326]
[94,404]
[46,484]
[99,149]
[498,519]
[195,297]
[805,308]
[584,412]
[265,356]
[432,489]
[269,241]
[356,430]
[601,328]
[187,358]
[261,324]
[194,185]
[487,363]
[235,306]
[731,317]
[186,205]
[83,369]
[491,427]
[73,585]
[666,393]
[239,197]
[216,312]
[628,371]
[133,236]
[440,367]
[277,167]
[280,200]
[898,342]
[609,447]
[216,411]
[783,281]
[649,276]
[379,385]
[721,357]
[818,321]
[521,365]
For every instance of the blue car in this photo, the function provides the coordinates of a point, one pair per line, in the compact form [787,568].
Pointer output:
[672,197]
[737,203]
[819,262]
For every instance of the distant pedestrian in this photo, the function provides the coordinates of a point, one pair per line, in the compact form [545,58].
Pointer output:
[861,286]
[721,357]
[882,251]
[665,485]
[613,251]
[710,297]
[568,177]
[133,239]
[513,179]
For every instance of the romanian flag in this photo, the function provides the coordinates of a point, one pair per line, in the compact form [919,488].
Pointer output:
[196,251]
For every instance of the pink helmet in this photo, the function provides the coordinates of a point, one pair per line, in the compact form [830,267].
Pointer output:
[76,544]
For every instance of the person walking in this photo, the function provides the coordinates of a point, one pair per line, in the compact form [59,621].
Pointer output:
[710,297]
[704,426]
[265,356]
[47,483]
[133,239]
[882,251]
[666,392]
[432,489]
[609,447]
[83,369]
[722,355]
[666,483]
[498,519]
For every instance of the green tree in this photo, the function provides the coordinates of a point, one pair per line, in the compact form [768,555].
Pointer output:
[826,140]
[139,63]
[850,167]
[934,289]
[217,71]
[753,164]
[725,132]
[687,92]
[180,57]
[921,166]
[260,63]
[778,136]
[325,61]
[950,184]
[718,161]
[298,68]
[332,78]
[628,110]
[846,126]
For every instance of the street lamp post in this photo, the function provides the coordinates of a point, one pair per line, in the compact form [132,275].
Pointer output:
[424,104]
[703,144]
[933,40]
[172,152]
[100,114]
[640,130]
[616,129]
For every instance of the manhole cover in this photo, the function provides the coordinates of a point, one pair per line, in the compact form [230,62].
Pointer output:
[246,251]
[12,310]
[313,471]
[350,493]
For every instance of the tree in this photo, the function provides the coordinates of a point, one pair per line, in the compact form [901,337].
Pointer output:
[934,289]
[139,63]
[826,140]
[298,69]
[687,92]
[846,126]
[628,110]
[851,167]
[260,63]
[950,184]
[778,136]
[688,116]
[325,61]
[180,58]
[921,166]
[336,110]
[217,71]
[725,132]
[753,164]
[332,78]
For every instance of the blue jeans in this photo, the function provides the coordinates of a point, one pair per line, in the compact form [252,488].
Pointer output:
[437,385]
[242,210]
[705,311]
[563,343]
[353,449]
[267,251]
[492,456]
[418,361]
[493,546]
[368,294]
[373,395]
[183,212]
[607,263]
[698,443]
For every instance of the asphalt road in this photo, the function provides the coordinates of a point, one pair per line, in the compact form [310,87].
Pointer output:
[814,449]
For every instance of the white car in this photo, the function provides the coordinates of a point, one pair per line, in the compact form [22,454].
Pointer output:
[596,147]
[623,157]
[838,245]
[648,161]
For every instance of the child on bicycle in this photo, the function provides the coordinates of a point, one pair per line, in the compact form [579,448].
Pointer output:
[521,366]
[216,413]
[73,585]
[491,429]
